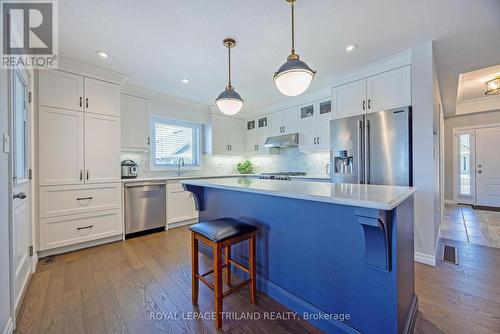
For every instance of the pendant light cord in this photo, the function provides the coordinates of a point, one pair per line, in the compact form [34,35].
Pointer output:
[229,72]
[293,28]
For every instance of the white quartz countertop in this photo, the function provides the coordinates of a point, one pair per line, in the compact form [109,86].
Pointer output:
[173,178]
[359,195]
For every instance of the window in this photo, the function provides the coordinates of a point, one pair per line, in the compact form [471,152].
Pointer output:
[174,140]
[465,170]
[20,152]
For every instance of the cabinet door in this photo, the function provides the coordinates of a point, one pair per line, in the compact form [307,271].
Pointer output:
[102,97]
[290,120]
[251,137]
[134,123]
[60,89]
[391,89]
[276,123]
[236,136]
[323,126]
[60,146]
[179,206]
[349,99]
[263,131]
[307,128]
[220,136]
[102,148]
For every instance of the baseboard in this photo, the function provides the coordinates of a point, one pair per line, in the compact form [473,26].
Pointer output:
[182,223]
[425,258]
[449,201]
[66,249]
[9,327]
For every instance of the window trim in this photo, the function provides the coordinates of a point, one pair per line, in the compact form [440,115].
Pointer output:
[198,127]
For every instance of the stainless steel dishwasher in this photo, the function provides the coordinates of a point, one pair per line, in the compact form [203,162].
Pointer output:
[145,207]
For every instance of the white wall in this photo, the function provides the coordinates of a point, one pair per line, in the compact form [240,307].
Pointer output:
[4,209]
[425,99]
[472,120]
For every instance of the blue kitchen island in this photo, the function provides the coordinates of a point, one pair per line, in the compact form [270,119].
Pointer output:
[340,255]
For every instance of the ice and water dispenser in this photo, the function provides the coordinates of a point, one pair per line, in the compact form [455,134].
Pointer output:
[342,162]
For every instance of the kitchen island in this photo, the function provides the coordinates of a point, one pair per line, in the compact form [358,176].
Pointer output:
[340,255]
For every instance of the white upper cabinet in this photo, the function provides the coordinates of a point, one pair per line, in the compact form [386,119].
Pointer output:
[225,135]
[257,131]
[102,97]
[349,99]
[283,122]
[102,148]
[60,144]
[134,123]
[60,89]
[314,126]
[388,90]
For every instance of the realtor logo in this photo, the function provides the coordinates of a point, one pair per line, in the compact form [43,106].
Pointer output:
[29,33]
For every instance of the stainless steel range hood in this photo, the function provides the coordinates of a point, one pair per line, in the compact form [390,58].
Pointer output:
[284,141]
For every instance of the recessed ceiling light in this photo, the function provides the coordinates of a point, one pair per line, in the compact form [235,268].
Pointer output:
[351,47]
[185,81]
[102,54]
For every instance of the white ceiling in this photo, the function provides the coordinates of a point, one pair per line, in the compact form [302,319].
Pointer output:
[159,42]
[472,85]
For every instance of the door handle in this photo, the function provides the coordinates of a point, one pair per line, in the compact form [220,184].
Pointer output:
[367,151]
[20,195]
[360,150]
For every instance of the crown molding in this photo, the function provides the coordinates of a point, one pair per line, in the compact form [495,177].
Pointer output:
[91,71]
[482,104]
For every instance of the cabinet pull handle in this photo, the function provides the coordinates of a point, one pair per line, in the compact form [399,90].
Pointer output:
[314,140]
[86,102]
[283,129]
[317,141]
[84,198]
[363,104]
[369,100]
[81,175]
[84,228]
[80,101]
[148,141]
[87,174]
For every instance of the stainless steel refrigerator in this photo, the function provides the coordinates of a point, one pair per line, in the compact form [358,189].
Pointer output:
[374,148]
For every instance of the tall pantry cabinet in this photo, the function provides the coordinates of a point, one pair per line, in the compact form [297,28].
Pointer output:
[79,159]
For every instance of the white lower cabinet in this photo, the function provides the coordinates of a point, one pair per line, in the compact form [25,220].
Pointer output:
[180,204]
[68,230]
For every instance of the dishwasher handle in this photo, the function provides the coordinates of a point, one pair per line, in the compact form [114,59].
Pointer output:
[144,184]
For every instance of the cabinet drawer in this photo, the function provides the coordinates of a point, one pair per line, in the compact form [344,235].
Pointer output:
[68,200]
[69,230]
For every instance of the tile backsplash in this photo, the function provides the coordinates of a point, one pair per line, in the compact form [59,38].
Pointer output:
[284,160]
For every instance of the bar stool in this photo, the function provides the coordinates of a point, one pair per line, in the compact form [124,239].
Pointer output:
[221,234]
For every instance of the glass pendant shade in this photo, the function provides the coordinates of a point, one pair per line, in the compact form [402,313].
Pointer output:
[229,102]
[293,77]
[493,86]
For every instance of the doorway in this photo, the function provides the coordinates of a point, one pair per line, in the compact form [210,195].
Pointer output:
[476,166]
[20,231]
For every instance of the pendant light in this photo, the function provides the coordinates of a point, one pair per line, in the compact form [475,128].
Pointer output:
[229,102]
[293,77]
[493,86]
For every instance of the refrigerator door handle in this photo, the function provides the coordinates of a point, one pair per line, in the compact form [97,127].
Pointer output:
[367,151]
[360,152]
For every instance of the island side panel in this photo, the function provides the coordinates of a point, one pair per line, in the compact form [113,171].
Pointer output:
[311,257]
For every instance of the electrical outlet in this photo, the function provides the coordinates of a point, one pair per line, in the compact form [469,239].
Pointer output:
[6,143]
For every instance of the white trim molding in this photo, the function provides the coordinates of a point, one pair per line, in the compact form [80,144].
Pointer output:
[425,259]
[87,70]
[9,327]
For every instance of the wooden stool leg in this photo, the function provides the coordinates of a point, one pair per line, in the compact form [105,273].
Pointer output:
[227,255]
[194,269]
[217,253]
[252,265]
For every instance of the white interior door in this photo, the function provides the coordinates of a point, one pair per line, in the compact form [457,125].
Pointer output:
[463,166]
[21,208]
[488,166]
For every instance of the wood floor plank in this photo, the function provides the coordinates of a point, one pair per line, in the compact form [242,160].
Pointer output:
[30,313]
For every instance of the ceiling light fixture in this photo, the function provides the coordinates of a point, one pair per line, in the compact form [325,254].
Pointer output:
[185,81]
[351,47]
[229,102]
[293,77]
[493,86]
[102,54]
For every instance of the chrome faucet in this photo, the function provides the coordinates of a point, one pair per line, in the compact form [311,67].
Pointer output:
[181,160]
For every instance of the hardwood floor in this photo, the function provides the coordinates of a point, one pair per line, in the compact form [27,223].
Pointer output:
[116,288]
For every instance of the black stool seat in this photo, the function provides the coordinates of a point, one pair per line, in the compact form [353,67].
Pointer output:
[222,228]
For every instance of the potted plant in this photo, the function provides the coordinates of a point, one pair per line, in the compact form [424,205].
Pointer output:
[245,167]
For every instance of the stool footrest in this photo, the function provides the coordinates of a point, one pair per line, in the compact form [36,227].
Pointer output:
[211,271]
[205,281]
[237,287]
[239,265]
